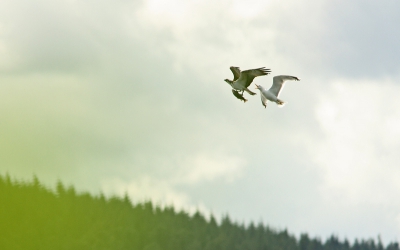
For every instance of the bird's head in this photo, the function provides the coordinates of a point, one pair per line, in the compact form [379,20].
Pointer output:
[228,81]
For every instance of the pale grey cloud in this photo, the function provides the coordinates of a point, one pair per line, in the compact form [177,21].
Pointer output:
[365,35]
[357,155]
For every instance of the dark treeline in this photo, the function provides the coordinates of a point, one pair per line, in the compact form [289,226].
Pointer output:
[34,217]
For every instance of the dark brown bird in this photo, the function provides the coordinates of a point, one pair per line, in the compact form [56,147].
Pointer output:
[243,79]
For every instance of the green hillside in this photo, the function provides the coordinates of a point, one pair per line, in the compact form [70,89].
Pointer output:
[34,217]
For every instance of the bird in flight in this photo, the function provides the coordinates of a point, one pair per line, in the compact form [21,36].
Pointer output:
[242,80]
[273,93]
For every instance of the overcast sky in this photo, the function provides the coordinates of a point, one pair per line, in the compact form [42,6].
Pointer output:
[128,96]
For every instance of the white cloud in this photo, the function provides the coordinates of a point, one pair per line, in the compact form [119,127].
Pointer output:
[203,168]
[145,188]
[248,9]
[359,154]
[160,191]
[166,188]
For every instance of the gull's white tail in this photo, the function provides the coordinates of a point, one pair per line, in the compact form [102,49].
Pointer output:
[280,103]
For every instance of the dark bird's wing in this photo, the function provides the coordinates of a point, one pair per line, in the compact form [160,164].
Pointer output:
[278,83]
[236,72]
[250,74]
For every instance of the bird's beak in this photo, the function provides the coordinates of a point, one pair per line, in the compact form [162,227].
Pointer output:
[256,86]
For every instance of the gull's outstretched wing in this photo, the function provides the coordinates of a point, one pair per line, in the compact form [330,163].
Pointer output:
[236,72]
[278,83]
[250,74]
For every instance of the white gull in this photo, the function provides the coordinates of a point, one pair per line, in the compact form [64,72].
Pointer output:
[273,93]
